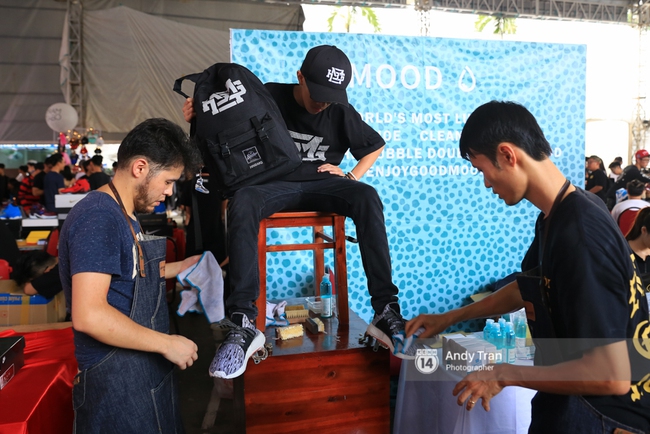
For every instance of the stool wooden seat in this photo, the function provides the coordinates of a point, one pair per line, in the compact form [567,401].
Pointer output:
[321,241]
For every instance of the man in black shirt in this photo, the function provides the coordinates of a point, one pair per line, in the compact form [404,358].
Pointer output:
[324,127]
[4,184]
[53,182]
[584,301]
[96,175]
[38,273]
[38,186]
[597,178]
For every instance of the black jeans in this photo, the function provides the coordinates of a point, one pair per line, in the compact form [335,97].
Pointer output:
[570,414]
[353,199]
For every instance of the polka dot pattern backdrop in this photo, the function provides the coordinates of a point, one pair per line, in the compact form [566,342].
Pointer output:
[449,235]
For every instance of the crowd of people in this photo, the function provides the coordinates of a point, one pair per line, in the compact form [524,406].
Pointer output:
[31,193]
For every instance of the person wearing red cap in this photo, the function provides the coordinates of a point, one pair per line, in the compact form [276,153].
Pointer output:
[631,172]
[324,127]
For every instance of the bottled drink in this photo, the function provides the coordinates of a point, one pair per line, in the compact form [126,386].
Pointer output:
[326,296]
[496,338]
[486,330]
[509,348]
[521,328]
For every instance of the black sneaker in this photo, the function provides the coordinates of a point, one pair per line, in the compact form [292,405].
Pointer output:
[388,328]
[242,341]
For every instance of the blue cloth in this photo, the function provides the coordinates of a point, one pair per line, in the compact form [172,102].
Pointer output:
[96,238]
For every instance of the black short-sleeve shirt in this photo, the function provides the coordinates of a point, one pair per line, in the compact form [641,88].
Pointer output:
[324,137]
[595,294]
[598,178]
[39,180]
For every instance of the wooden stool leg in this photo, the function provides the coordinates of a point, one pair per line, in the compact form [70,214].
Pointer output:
[319,259]
[341,270]
[260,322]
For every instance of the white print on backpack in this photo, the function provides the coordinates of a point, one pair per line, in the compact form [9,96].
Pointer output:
[309,146]
[220,101]
[335,75]
[252,157]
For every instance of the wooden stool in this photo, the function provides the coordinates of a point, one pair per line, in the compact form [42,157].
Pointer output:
[321,241]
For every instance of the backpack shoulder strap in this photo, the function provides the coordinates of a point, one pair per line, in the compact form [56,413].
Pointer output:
[179,82]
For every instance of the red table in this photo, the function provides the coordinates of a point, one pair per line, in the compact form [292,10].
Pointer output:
[38,400]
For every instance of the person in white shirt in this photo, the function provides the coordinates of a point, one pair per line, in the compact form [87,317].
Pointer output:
[615,170]
[635,192]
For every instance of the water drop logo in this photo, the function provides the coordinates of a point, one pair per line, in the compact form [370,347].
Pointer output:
[466,81]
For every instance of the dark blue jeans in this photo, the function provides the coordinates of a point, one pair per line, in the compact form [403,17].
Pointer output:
[570,414]
[354,199]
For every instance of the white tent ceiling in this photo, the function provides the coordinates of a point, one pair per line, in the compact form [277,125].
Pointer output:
[127,75]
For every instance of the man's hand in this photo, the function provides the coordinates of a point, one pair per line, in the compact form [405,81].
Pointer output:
[478,385]
[172,269]
[330,168]
[180,351]
[188,109]
[188,262]
[432,325]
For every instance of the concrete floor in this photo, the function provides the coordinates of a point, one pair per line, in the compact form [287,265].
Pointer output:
[196,386]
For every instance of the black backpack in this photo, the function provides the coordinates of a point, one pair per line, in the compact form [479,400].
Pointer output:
[238,128]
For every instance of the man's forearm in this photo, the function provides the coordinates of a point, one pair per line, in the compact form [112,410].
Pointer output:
[366,163]
[505,300]
[108,325]
[601,371]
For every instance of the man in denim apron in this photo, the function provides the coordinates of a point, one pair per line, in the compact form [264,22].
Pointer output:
[114,280]
[584,301]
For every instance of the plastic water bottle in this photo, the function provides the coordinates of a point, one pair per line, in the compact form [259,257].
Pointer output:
[521,328]
[486,330]
[326,296]
[496,338]
[502,325]
[509,348]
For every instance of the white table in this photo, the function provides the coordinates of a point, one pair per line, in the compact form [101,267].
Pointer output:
[425,404]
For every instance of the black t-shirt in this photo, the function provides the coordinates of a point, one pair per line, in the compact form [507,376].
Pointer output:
[595,294]
[48,284]
[324,137]
[4,187]
[598,178]
[98,179]
[39,180]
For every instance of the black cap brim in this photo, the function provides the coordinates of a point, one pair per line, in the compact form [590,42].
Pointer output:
[321,93]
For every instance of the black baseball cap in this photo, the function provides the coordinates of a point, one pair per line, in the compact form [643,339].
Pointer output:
[327,71]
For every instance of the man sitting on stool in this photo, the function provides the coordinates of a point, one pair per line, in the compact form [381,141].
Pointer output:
[324,127]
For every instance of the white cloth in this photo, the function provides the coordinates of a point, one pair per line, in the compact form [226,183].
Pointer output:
[205,293]
[627,204]
[275,315]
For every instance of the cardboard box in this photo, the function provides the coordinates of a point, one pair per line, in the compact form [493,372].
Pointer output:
[67,200]
[12,358]
[16,308]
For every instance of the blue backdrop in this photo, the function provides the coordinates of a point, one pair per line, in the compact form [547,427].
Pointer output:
[449,235]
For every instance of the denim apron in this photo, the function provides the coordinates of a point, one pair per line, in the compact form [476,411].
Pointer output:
[131,391]
[553,413]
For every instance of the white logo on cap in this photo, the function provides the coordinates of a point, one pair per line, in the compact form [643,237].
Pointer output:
[335,75]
